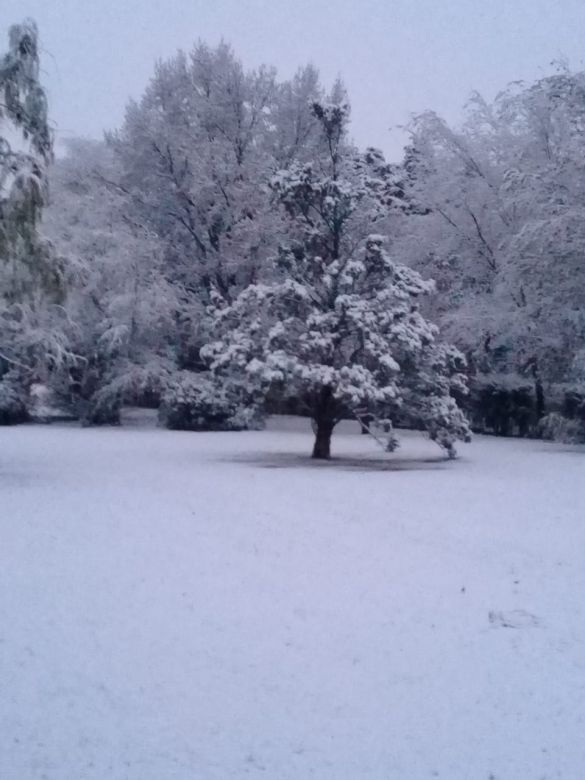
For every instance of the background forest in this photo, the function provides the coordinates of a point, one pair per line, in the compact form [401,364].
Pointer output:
[136,283]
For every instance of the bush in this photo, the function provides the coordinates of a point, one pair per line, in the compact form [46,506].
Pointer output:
[103,408]
[83,390]
[556,427]
[45,407]
[13,401]
[140,385]
[144,385]
[96,392]
[197,402]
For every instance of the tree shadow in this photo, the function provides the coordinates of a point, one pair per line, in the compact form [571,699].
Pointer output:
[291,460]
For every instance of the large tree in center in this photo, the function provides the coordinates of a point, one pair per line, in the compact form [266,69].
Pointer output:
[340,325]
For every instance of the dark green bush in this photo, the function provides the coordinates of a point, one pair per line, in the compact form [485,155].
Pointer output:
[502,405]
[13,401]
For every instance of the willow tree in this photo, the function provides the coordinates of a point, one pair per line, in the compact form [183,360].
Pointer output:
[28,269]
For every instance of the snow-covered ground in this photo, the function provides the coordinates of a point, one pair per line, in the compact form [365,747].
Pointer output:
[179,606]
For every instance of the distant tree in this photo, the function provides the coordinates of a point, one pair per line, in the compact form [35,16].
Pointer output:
[122,313]
[196,154]
[195,162]
[292,133]
[174,205]
[340,327]
[502,229]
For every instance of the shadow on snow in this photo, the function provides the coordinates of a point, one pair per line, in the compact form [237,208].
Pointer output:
[291,460]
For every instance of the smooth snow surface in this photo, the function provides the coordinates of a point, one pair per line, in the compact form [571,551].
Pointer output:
[179,606]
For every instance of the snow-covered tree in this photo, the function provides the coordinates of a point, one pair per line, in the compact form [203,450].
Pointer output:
[196,155]
[340,326]
[292,133]
[177,203]
[502,230]
[30,274]
[195,165]
[123,316]
[25,144]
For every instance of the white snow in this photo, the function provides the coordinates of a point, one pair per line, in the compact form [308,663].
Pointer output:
[176,606]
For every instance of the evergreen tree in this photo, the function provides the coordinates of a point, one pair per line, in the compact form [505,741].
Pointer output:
[340,326]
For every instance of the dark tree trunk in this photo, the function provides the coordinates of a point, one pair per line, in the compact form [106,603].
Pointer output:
[323,423]
[540,403]
[365,421]
[538,390]
[322,446]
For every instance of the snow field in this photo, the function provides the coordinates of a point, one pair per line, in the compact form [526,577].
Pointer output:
[177,606]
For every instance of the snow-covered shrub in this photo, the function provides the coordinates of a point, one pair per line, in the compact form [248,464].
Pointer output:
[84,390]
[103,408]
[137,385]
[144,385]
[557,427]
[196,402]
[95,390]
[140,385]
[13,406]
[44,406]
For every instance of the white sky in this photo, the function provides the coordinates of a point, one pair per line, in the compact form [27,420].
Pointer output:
[397,57]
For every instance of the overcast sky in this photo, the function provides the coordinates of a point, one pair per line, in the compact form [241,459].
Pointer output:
[397,57]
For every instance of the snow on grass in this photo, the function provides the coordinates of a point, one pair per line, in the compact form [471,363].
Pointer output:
[178,606]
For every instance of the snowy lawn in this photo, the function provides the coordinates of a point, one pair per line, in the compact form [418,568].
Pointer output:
[178,606]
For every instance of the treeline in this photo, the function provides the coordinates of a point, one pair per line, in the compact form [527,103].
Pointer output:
[174,215]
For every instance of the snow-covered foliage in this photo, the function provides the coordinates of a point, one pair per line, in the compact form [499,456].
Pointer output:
[121,312]
[31,277]
[168,234]
[196,155]
[502,227]
[177,204]
[197,402]
[340,325]
[557,427]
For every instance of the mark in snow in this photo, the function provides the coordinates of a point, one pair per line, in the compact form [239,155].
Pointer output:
[516,618]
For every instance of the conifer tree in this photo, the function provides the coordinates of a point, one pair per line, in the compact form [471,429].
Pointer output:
[340,326]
